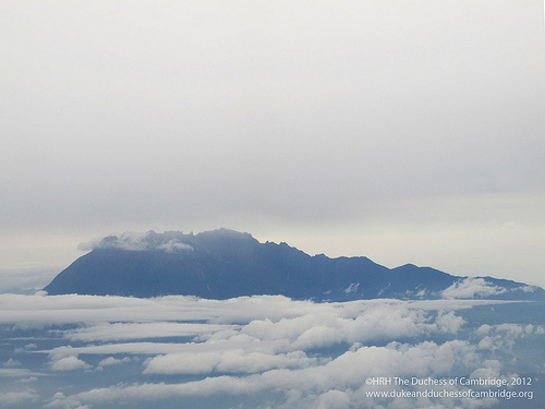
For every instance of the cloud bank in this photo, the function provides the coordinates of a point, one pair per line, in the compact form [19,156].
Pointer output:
[290,354]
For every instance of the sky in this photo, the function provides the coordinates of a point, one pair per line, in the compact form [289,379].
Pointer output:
[408,132]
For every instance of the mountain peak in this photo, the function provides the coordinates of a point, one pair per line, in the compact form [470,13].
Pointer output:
[225,263]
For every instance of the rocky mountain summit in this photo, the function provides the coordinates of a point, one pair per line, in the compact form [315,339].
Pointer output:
[224,264]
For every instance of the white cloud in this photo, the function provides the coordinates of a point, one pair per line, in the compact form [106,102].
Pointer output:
[18,373]
[169,242]
[29,311]
[131,348]
[491,369]
[37,311]
[59,400]
[173,246]
[10,363]
[228,361]
[128,331]
[472,287]
[352,288]
[378,322]
[18,398]
[258,345]
[70,363]
[110,361]
[449,322]
[505,336]
[345,374]
[511,330]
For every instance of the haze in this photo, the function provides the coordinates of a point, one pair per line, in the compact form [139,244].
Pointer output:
[406,131]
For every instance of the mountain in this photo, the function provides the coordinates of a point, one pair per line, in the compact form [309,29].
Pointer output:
[224,264]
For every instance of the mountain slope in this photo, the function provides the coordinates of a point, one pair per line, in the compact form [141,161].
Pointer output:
[223,264]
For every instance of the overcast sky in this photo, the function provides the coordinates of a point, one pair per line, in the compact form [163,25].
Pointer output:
[406,131]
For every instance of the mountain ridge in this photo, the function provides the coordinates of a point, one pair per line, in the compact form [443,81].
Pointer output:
[223,263]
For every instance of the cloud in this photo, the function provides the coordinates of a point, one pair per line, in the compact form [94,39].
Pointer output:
[333,399]
[169,242]
[37,310]
[472,287]
[111,361]
[18,373]
[10,363]
[366,88]
[173,246]
[217,347]
[491,369]
[298,354]
[70,363]
[449,322]
[131,348]
[267,340]
[346,373]
[505,336]
[18,398]
[511,330]
[352,288]
[228,361]
[528,288]
[130,331]
[293,96]
[59,400]
[270,348]
[378,322]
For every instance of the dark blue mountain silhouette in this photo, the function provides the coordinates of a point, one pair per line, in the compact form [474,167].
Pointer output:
[223,264]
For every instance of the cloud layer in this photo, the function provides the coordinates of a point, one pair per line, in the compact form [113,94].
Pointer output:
[290,354]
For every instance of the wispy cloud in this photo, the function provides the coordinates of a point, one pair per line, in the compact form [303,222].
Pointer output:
[472,287]
[131,331]
[169,242]
[18,398]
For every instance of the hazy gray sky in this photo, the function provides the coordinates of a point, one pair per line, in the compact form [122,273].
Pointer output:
[407,131]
